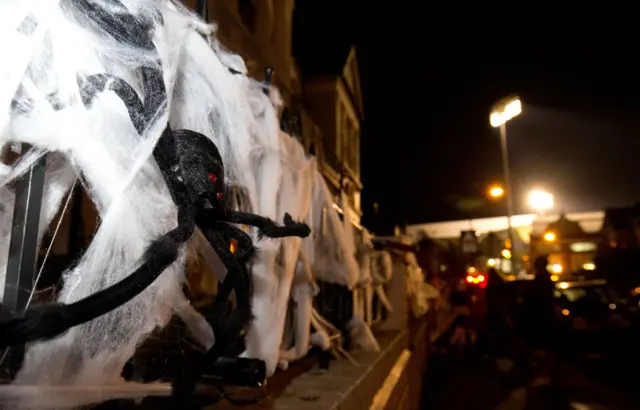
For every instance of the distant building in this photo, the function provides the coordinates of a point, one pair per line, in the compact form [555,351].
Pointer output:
[332,93]
[524,224]
[334,101]
[569,247]
[529,231]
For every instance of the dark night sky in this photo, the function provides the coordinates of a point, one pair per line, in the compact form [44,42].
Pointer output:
[429,84]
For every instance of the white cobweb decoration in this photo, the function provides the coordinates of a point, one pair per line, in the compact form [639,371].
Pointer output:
[50,45]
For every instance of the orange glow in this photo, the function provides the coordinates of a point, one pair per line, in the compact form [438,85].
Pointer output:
[233,246]
[565,312]
[549,236]
[496,191]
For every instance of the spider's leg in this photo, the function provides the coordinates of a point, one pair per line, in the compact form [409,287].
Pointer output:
[245,249]
[269,228]
[90,86]
[47,321]
[244,253]
[237,279]
[227,328]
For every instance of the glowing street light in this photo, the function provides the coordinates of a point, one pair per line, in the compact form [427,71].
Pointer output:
[501,113]
[549,236]
[496,191]
[504,112]
[540,200]
[556,268]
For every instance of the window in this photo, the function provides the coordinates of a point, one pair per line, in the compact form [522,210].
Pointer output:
[583,247]
[346,137]
[248,14]
[579,260]
[589,294]
[353,149]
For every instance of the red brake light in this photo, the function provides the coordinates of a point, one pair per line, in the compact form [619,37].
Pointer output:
[469,278]
[481,278]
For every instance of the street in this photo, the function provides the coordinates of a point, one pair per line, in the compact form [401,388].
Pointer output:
[477,383]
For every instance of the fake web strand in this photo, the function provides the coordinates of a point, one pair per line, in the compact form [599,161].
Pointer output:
[46,256]
[55,234]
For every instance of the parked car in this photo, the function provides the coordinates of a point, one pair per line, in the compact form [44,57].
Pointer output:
[594,319]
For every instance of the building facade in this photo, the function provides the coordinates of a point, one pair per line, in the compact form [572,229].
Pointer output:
[576,238]
[335,101]
[260,31]
[568,247]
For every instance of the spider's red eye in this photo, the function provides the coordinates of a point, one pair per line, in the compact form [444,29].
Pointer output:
[213,178]
[219,196]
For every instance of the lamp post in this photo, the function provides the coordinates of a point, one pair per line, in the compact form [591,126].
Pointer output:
[501,113]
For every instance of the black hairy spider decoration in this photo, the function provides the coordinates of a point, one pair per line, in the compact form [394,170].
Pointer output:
[194,172]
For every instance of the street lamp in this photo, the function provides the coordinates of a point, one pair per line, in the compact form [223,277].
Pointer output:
[496,191]
[540,200]
[505,111]
[501,113]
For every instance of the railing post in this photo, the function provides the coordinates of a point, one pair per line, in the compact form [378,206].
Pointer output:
[23,250]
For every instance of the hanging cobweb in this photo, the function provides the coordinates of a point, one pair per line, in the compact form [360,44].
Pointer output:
[157,360]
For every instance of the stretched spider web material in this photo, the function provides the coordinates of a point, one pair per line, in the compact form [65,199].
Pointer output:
[52,44]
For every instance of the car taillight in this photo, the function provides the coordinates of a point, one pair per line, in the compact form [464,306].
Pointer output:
[481,278]
[470,279]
